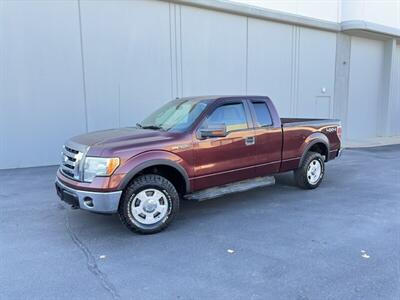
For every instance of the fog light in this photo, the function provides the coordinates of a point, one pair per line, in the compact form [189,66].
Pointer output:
[88,201]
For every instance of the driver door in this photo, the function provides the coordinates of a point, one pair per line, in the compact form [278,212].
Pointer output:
[222,160]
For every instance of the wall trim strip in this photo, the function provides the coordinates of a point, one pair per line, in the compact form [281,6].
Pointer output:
[288,18]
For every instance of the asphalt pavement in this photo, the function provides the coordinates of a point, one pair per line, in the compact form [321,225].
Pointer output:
[340,241]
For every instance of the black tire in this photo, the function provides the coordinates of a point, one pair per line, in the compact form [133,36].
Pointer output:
[138,185]
[304,181]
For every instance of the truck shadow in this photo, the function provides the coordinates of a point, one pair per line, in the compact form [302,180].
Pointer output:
[229,202]
[285,179]
[191,212]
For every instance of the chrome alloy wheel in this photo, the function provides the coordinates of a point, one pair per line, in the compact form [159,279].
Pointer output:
[149,206]
[314,171]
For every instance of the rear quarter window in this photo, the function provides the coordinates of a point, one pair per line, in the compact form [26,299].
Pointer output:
[263,116]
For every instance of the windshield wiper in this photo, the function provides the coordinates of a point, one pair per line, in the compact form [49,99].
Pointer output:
[155,127]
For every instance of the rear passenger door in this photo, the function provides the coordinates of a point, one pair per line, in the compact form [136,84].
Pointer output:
[225,159]
[268,139]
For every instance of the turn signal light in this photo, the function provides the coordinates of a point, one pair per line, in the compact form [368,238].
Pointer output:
[113,163]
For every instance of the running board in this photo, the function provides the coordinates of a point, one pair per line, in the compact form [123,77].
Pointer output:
[235,187]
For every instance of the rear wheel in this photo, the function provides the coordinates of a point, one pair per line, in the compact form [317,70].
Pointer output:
[149,204]
[311,172]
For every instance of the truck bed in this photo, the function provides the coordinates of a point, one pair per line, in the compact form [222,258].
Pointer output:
[297,131]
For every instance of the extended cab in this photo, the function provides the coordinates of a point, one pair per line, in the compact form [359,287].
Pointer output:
[186,147]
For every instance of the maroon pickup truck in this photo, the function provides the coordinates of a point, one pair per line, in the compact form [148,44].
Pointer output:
[191,148]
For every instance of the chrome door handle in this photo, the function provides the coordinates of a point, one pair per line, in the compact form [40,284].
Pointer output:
[250,140]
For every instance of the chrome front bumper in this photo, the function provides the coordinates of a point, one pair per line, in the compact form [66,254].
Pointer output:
[91,201]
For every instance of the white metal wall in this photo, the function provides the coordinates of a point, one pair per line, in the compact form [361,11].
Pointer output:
[68,67]
[41,100]
[385,12]
[271,60]
[366,87]
[395,105]
[127,60]
[316,73]
[213,52]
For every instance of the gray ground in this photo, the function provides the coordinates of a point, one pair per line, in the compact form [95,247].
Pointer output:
[287,243]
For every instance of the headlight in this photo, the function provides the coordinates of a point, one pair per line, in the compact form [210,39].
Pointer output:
[99,166]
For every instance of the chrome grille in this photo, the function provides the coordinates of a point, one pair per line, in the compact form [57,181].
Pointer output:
[70,163]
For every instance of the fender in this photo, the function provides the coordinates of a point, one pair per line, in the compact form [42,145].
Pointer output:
[152,158]
[315,138]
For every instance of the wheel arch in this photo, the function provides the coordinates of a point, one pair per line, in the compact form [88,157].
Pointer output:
[318,144]
[164,164]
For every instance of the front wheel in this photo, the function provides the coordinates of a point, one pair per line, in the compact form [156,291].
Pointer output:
[311,172]
[149,204]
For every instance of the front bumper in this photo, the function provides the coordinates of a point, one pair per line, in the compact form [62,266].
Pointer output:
[91,201]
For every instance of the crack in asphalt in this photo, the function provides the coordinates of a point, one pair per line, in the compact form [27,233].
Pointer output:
[91,262]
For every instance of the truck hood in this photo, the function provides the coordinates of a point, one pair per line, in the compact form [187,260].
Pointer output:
[121,136]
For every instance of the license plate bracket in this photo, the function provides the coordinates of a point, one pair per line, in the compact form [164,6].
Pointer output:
[67,197]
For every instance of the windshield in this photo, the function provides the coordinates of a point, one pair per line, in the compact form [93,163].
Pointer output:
[177,115]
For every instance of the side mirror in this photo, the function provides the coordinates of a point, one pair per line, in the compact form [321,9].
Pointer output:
[214,130]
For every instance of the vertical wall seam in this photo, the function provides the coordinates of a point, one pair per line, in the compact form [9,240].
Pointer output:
[385,86]
[346,112]
[180,50]
[170,49]
[119,105]
[83,67]
[297,70]
[292,72]
[338,59]
[332,97]
[2,82]
[247,56]
[176,53]
[294,94]
[390,63]
[296,82]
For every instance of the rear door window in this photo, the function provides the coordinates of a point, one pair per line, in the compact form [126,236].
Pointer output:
[262,114]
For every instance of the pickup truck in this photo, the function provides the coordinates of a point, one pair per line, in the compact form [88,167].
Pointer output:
[188,146]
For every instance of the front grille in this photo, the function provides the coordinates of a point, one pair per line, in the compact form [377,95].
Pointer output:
[71,150]
[70,164]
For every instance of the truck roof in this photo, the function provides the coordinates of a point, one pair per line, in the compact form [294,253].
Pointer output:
[218,97]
